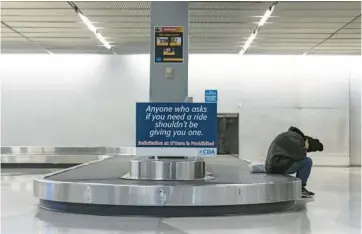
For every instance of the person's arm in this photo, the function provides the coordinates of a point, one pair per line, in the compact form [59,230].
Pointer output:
[314,144]
[297,147]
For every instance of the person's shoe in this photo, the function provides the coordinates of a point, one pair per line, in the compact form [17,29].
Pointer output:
[309,192]
[305,193]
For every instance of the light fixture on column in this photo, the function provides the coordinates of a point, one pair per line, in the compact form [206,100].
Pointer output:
[261,22]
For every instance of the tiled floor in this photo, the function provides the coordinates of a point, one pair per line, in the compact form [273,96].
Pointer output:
[336,209]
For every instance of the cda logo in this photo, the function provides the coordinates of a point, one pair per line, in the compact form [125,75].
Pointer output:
[207,152]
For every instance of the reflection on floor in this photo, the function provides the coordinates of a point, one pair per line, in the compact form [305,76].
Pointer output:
[336,209]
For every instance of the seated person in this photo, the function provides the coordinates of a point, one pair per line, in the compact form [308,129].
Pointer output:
[287,154]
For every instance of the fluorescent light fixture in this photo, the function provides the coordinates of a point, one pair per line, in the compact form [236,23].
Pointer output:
[262,21]
[93,29]
[103,40]
[248,42]
[242,51]
[87,22]
[266,16]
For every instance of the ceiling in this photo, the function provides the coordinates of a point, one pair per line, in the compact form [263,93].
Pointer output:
[214,27]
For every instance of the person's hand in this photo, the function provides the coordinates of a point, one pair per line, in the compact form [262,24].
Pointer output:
[314,145]
[306,144]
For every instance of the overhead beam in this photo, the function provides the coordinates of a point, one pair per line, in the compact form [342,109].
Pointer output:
[334,33]
[25,37]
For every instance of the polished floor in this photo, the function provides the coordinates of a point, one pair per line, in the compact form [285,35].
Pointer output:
[336,209]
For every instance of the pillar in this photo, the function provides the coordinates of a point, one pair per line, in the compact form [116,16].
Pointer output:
[174,89]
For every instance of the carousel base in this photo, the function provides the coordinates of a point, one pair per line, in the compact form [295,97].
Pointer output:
[99,188]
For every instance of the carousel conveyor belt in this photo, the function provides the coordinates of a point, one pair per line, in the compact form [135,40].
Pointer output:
[98,188]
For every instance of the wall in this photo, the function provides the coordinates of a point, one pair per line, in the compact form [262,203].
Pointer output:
[355,114]
[272,93]
[88,100]
[71,100]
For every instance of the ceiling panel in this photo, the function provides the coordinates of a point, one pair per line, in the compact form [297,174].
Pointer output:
[293,36]
[316,19]
[57,34]
[343,41]
[128,35]
[40,18]
[333,52]
[5,50]
[230,13]
[356,24]
[214,40]
[304,31]
[246,25]
[80,51]
[45,24]
[51,30]
[214,27]
[37,12]
[287,40]
[33,5]
[343,36]
[9,34]
[336,48]
[220,31]
[223,19]
[64,39]
[116,12]
[229,5]
[321,5]
[315,13]
[70,44]
[5,29]
[120,19]
[302,25]
[114,5]
[15,39]
[350,31]
[19,45]
[260,44]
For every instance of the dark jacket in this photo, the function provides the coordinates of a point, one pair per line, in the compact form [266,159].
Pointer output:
[285,149]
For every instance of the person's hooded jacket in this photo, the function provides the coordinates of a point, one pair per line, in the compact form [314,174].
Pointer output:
[287,148]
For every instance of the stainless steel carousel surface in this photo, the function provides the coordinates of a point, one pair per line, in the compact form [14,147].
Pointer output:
[122,185]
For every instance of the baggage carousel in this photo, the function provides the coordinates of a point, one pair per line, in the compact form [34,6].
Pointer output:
[166,187]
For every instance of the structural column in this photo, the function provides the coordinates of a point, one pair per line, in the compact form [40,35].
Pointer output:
[169,80]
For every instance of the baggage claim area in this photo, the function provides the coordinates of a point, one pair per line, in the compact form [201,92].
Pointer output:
[163,116]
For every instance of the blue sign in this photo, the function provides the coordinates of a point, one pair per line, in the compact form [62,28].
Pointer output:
[211,96]
[177,125]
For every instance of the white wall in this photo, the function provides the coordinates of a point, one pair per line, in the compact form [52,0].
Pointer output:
[88,100]
[276,92]
[73,100]
[355,114]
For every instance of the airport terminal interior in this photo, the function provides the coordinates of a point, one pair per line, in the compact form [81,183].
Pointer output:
[172,117]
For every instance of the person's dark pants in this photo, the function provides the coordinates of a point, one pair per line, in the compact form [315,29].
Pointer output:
[302,168]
